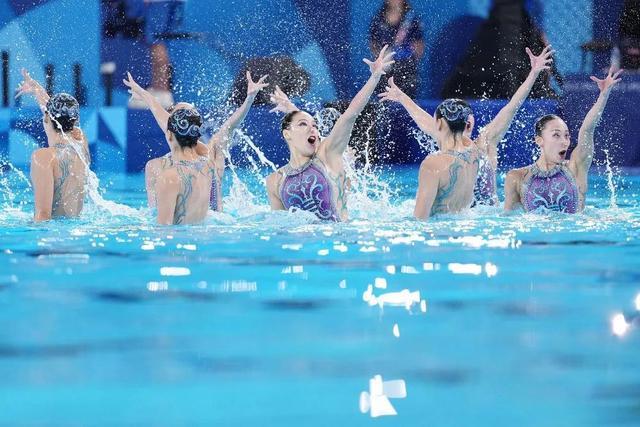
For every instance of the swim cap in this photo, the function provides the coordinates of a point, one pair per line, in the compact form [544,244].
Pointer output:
[63,106]
[185,122]
[454,110]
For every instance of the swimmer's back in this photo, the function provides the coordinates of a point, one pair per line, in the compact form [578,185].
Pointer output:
[191,181]
[458,171]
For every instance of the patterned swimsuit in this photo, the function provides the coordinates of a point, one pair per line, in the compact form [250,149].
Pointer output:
[307,188]
[554,190]
[484,192]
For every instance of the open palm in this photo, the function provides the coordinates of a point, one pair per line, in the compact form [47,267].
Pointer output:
[254,87]
[28,85]
[392,92]
[382,63]
[543,61]
[609,81]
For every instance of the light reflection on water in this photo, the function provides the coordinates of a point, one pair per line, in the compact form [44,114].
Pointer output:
[483,304]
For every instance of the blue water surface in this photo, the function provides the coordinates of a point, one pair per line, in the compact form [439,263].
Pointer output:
[277,319]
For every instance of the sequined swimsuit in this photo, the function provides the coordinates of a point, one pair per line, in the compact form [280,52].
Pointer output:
[484,192]
[307,188]
[555,190]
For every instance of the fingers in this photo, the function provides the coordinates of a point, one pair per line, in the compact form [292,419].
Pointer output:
[595,79]
[248,74]
[617,74]
[391,83]
[366,61]
[526,49]
[383,50]
[274,110]
[263,78]
[388,56]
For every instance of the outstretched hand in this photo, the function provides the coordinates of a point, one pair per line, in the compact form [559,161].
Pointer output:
[135,89]
[254,87]
[609,81]
[392,92]
[382,63]
[543,61]
[281,102]
[28,85]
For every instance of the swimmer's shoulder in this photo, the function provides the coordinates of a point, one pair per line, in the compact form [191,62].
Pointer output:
[43,155]
[517,175]
[274,179]
[436,162]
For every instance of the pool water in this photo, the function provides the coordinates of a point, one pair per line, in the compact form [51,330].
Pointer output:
[276,319]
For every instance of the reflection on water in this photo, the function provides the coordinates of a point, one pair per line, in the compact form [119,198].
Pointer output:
[277,309]
[376,401]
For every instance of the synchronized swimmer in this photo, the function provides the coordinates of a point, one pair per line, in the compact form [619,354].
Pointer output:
[184,184]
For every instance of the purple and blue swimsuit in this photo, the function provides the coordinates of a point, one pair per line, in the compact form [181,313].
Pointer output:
[307,188]
[554,190]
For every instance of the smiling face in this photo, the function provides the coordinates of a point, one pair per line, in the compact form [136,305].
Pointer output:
[554,140]
[302,134]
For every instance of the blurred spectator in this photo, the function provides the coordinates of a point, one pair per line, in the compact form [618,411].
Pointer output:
[162,18]
[397,25]
[121,17]
[496,62]
[630,35]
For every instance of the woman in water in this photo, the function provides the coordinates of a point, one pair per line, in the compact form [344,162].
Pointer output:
[485,190]
[59,171]
[215,149]
[183,188]
[315,178]
[552,182]
[447,177]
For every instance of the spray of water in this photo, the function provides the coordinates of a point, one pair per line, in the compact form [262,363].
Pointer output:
[613,202]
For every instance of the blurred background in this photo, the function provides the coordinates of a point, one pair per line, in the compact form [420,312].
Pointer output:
[198,50]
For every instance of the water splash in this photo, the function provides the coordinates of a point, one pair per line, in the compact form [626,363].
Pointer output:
[610,173]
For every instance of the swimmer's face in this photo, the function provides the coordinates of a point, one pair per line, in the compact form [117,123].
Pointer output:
[554,141]
[302,134]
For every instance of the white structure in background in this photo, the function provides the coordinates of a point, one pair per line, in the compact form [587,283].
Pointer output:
[376,400]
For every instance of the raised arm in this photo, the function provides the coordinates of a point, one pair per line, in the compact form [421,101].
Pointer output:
[29,85]
[337,141]
[220,139]
[159,113]
[281,102]
[497,128]
[424,120]
[583,154]
[428,182]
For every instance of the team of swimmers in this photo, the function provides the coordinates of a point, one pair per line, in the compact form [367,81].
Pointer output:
[184,184]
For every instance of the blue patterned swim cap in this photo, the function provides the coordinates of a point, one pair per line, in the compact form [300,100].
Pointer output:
[454,110]
[185,122]
[63,106]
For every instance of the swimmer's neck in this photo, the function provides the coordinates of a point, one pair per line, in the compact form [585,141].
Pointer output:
[544,164]
[296,160]
[452,143]
[188,154]
[58,138]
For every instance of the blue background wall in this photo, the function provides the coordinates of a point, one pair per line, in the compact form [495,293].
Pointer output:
[328,37]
